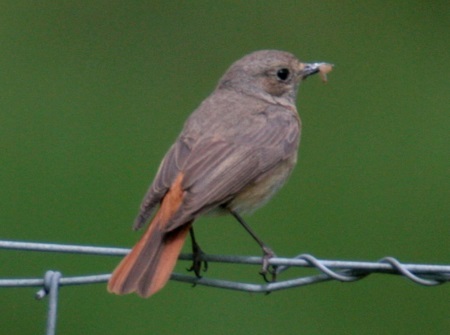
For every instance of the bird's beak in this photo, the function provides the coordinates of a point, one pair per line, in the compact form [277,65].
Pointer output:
[313,68]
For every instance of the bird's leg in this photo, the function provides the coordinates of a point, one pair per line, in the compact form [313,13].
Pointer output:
[267,252]
[197,256]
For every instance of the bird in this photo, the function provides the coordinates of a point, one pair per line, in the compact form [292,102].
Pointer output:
[233,154]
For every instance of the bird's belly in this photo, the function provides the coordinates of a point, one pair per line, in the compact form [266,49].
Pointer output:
[258,193]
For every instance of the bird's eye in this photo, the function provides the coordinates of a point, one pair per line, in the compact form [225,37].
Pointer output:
[283,74]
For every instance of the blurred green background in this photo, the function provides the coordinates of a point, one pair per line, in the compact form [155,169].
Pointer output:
[92,94]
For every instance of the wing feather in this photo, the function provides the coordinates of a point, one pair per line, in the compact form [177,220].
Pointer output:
[169,168]
[218,168]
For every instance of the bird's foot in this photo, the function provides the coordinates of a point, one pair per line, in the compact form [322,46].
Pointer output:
[267,269]
[198,261]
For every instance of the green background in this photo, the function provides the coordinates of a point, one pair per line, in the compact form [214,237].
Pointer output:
[92,94]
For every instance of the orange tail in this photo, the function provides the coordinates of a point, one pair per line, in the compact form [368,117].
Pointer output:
[147,268]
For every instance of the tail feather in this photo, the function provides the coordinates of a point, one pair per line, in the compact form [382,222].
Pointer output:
[158,272]
[148,266]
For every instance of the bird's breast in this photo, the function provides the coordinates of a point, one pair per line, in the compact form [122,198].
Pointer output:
[259,192]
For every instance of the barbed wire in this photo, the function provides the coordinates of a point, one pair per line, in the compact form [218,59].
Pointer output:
[344,271]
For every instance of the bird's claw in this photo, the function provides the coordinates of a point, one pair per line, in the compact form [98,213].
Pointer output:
[268,269]
[197,261]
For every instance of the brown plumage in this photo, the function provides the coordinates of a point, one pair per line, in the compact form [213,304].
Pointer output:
[235,151]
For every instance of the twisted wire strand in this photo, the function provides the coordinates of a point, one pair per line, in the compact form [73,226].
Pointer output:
[345,271]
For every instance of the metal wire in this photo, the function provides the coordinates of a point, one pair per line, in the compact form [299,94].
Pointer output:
[344,271]
[51,287]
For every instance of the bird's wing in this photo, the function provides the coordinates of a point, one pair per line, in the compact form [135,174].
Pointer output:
[218,168]
[168,170]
